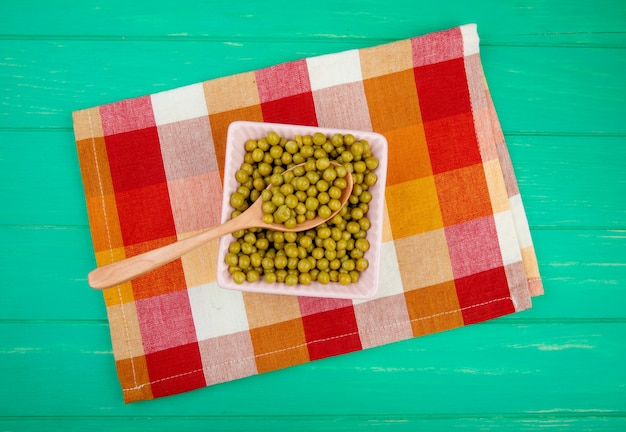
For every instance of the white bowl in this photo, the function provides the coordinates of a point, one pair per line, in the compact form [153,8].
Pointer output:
[367,286]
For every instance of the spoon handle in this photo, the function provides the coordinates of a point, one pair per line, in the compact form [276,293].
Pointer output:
[122,271]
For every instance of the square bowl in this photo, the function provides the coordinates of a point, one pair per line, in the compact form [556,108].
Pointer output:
[366,287]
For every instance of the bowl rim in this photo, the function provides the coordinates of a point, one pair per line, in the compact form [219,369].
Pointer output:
[365,288]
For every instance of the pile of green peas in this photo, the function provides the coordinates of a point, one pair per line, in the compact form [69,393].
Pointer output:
[331,252]
[304,192]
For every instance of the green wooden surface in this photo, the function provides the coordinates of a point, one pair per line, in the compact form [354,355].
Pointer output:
[557,72]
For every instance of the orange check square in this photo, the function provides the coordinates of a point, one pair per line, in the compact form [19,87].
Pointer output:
[231,92]
[463,194]
[219,129]
[413,207]
[279,345]
[392,101]
[134,378]
[386,59]
[424,259]
[434,308]
[408,155]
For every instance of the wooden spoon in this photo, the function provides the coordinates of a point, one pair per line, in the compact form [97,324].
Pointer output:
[122,271]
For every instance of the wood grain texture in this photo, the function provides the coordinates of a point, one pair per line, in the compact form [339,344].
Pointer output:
[556,74]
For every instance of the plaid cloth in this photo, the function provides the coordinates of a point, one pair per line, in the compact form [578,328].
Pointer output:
[456,244]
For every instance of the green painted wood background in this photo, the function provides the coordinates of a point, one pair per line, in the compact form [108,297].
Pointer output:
[557,72]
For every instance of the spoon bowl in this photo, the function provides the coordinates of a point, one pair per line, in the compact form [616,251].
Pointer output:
[122,271]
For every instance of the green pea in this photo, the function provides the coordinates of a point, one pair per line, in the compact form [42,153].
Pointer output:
[239,277]
[286,158]
[341,171]
[313,177]
[337,139]
[249,238]
[258,155]
[281,275]
[324,211]
[243,262]
[365,223]
[234,247]
[323,278]
[354,276]
[345,279]
[237,200]
[314,273]
[300,208]
[359,167]
[312,191]
[310,166]
[262,244]
[304,266]
[323,263]
[269,207]
[282,214]
[371,163]
[322,163]
[333,205]
[259,184]
[334,192]
[330,244]
[255,259]
[362,244]
[302,184]
[286,189]
[322,185]
[267,263]
[306,241]
[312,203]
[370,179]
[348,265]
[291,147]
[356,213]
[356,253]
[266,195]
[273,138]
[231,259]
[280,262]
[329,174]
[319,138]
[307,151]
[305,278]
[290,237]
[347,157]
[341,183]
[356,148]
[241,176]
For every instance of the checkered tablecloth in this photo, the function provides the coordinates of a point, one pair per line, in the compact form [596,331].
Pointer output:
[456,247]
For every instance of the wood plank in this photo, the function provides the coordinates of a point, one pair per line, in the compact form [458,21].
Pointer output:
[555,70]
[596,421]
[570,181]
[480,370]
[536,90]
[581,270]
[565,181]
[503,22]
[40,180]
